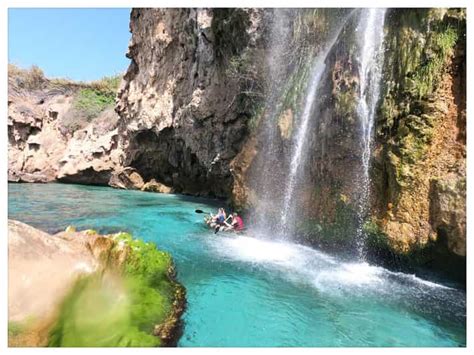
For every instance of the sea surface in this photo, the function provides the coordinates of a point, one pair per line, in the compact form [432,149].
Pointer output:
[250,291]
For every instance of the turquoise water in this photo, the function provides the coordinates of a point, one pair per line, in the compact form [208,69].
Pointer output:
[247,291]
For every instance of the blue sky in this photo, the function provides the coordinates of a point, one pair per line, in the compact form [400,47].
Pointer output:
[80,44]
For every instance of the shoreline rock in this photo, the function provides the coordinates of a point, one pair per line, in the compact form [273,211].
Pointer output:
[46,272]
[172,328]
[154,186]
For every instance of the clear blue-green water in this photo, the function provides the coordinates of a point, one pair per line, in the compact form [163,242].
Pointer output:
[250,291]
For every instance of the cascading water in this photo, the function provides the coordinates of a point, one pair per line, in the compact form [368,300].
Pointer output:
[275,206]
[279,49]
[300,138]
[370,45]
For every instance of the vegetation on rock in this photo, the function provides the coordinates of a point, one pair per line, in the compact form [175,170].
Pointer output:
[90,98]
[119,307]
[420,114]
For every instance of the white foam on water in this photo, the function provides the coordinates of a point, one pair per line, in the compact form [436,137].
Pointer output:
[256,250]
[418,280]
[302,264]
[353,274]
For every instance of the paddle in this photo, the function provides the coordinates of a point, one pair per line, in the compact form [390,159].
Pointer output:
[201,211]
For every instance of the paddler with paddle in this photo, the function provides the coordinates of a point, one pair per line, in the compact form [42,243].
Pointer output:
[219,221]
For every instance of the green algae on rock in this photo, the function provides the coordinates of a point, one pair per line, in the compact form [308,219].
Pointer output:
[126,302]
[419,137]
[108,290]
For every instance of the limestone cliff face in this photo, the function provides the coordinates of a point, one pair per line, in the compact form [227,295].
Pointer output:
[184,102]
[418,157]
[45,141]
[418,178]
[420,160]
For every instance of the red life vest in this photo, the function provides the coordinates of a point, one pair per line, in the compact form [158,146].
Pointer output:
[240,223]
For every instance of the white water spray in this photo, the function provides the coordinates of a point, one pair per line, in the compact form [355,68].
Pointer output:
[297,156]
[370,74]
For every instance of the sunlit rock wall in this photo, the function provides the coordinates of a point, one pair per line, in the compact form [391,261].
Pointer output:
[419,169]
[187,97]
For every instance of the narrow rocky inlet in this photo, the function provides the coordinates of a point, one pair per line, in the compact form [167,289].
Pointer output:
[339,136]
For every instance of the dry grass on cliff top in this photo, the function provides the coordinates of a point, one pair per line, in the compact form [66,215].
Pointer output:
[91,99]
[33,79]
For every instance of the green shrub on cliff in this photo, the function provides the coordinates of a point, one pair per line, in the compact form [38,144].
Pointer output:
[107,85]
[90,102]
[91,99]
[295,87]
[420,47]
[430,71]
[118,307]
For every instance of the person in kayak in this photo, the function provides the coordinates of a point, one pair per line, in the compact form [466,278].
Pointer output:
[217,220]
[237,223]
[221,217]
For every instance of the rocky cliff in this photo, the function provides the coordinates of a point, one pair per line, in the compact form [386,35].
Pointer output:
[60,130]
[419,169]
[186,99]
[417,212]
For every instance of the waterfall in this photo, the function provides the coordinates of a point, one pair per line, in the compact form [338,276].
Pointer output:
[278,55]
[370,45]
[300,138]
[279,187]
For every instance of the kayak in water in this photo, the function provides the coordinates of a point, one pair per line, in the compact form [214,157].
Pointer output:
[219,222]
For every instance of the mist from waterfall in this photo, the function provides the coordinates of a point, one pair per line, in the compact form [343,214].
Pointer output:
[279,181]
[370,46]
[278,53]
[278,168]
[300,139]
[300,143]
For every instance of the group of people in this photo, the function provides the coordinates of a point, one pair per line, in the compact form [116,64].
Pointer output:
[221,221]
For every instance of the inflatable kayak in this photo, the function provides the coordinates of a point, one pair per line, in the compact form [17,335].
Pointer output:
[220,228]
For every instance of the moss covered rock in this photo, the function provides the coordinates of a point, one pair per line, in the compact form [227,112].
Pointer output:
[127,303]
[118,291]
[419,133]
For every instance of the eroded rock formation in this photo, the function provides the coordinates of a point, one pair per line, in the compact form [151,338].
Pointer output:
[194,103]
[420,161]
[41,147]
[184,113]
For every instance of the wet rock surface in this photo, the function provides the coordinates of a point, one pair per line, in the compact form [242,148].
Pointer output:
[419,165]
[154,186]
[448,211]
[126,178]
